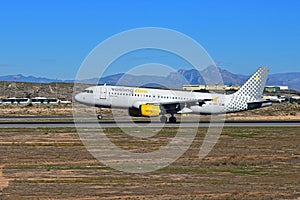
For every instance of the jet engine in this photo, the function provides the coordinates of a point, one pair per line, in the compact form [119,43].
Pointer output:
[145,110]
[134,112]
[148,110]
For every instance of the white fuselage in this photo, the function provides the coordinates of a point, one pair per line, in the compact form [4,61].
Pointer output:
[128,97]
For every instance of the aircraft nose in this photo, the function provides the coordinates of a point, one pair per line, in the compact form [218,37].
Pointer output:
[78,97]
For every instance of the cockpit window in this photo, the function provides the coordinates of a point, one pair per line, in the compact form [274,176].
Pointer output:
[87,91]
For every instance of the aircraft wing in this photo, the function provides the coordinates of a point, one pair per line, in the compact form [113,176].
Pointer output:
[181,106]
[173,107]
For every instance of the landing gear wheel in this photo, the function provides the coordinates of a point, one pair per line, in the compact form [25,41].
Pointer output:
[100,116]
[172,119]
[163,119]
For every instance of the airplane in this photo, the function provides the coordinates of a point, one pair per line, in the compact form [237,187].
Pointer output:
[147,102]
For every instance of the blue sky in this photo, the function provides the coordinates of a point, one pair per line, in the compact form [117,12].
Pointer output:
[52,38]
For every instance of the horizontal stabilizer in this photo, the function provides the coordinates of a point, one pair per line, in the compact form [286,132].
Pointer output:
[258,104]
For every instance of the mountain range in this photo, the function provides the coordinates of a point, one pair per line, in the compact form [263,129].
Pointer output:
[173,80]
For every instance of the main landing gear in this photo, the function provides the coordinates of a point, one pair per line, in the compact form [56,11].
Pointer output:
[172,119]
[163,119]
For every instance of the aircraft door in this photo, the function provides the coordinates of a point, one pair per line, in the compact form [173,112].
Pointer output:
[103,92]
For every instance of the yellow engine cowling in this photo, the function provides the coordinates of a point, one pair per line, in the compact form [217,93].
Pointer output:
[148,110]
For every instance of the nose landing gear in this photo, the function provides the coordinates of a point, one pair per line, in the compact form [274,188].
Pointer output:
[100,116]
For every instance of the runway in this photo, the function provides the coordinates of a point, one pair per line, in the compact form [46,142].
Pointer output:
[125,124]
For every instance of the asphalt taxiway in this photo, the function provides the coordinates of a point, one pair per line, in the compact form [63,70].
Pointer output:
[113,124]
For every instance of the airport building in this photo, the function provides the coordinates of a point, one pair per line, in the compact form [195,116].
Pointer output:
[213,87]
[193,87]
[273,89]
[222,87]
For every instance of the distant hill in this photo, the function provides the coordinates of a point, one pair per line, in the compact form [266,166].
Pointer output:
[31,79]
[21,78]
[290,79]
[192,76]
[173,80]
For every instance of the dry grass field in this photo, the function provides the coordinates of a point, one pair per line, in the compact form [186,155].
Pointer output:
[246,163]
